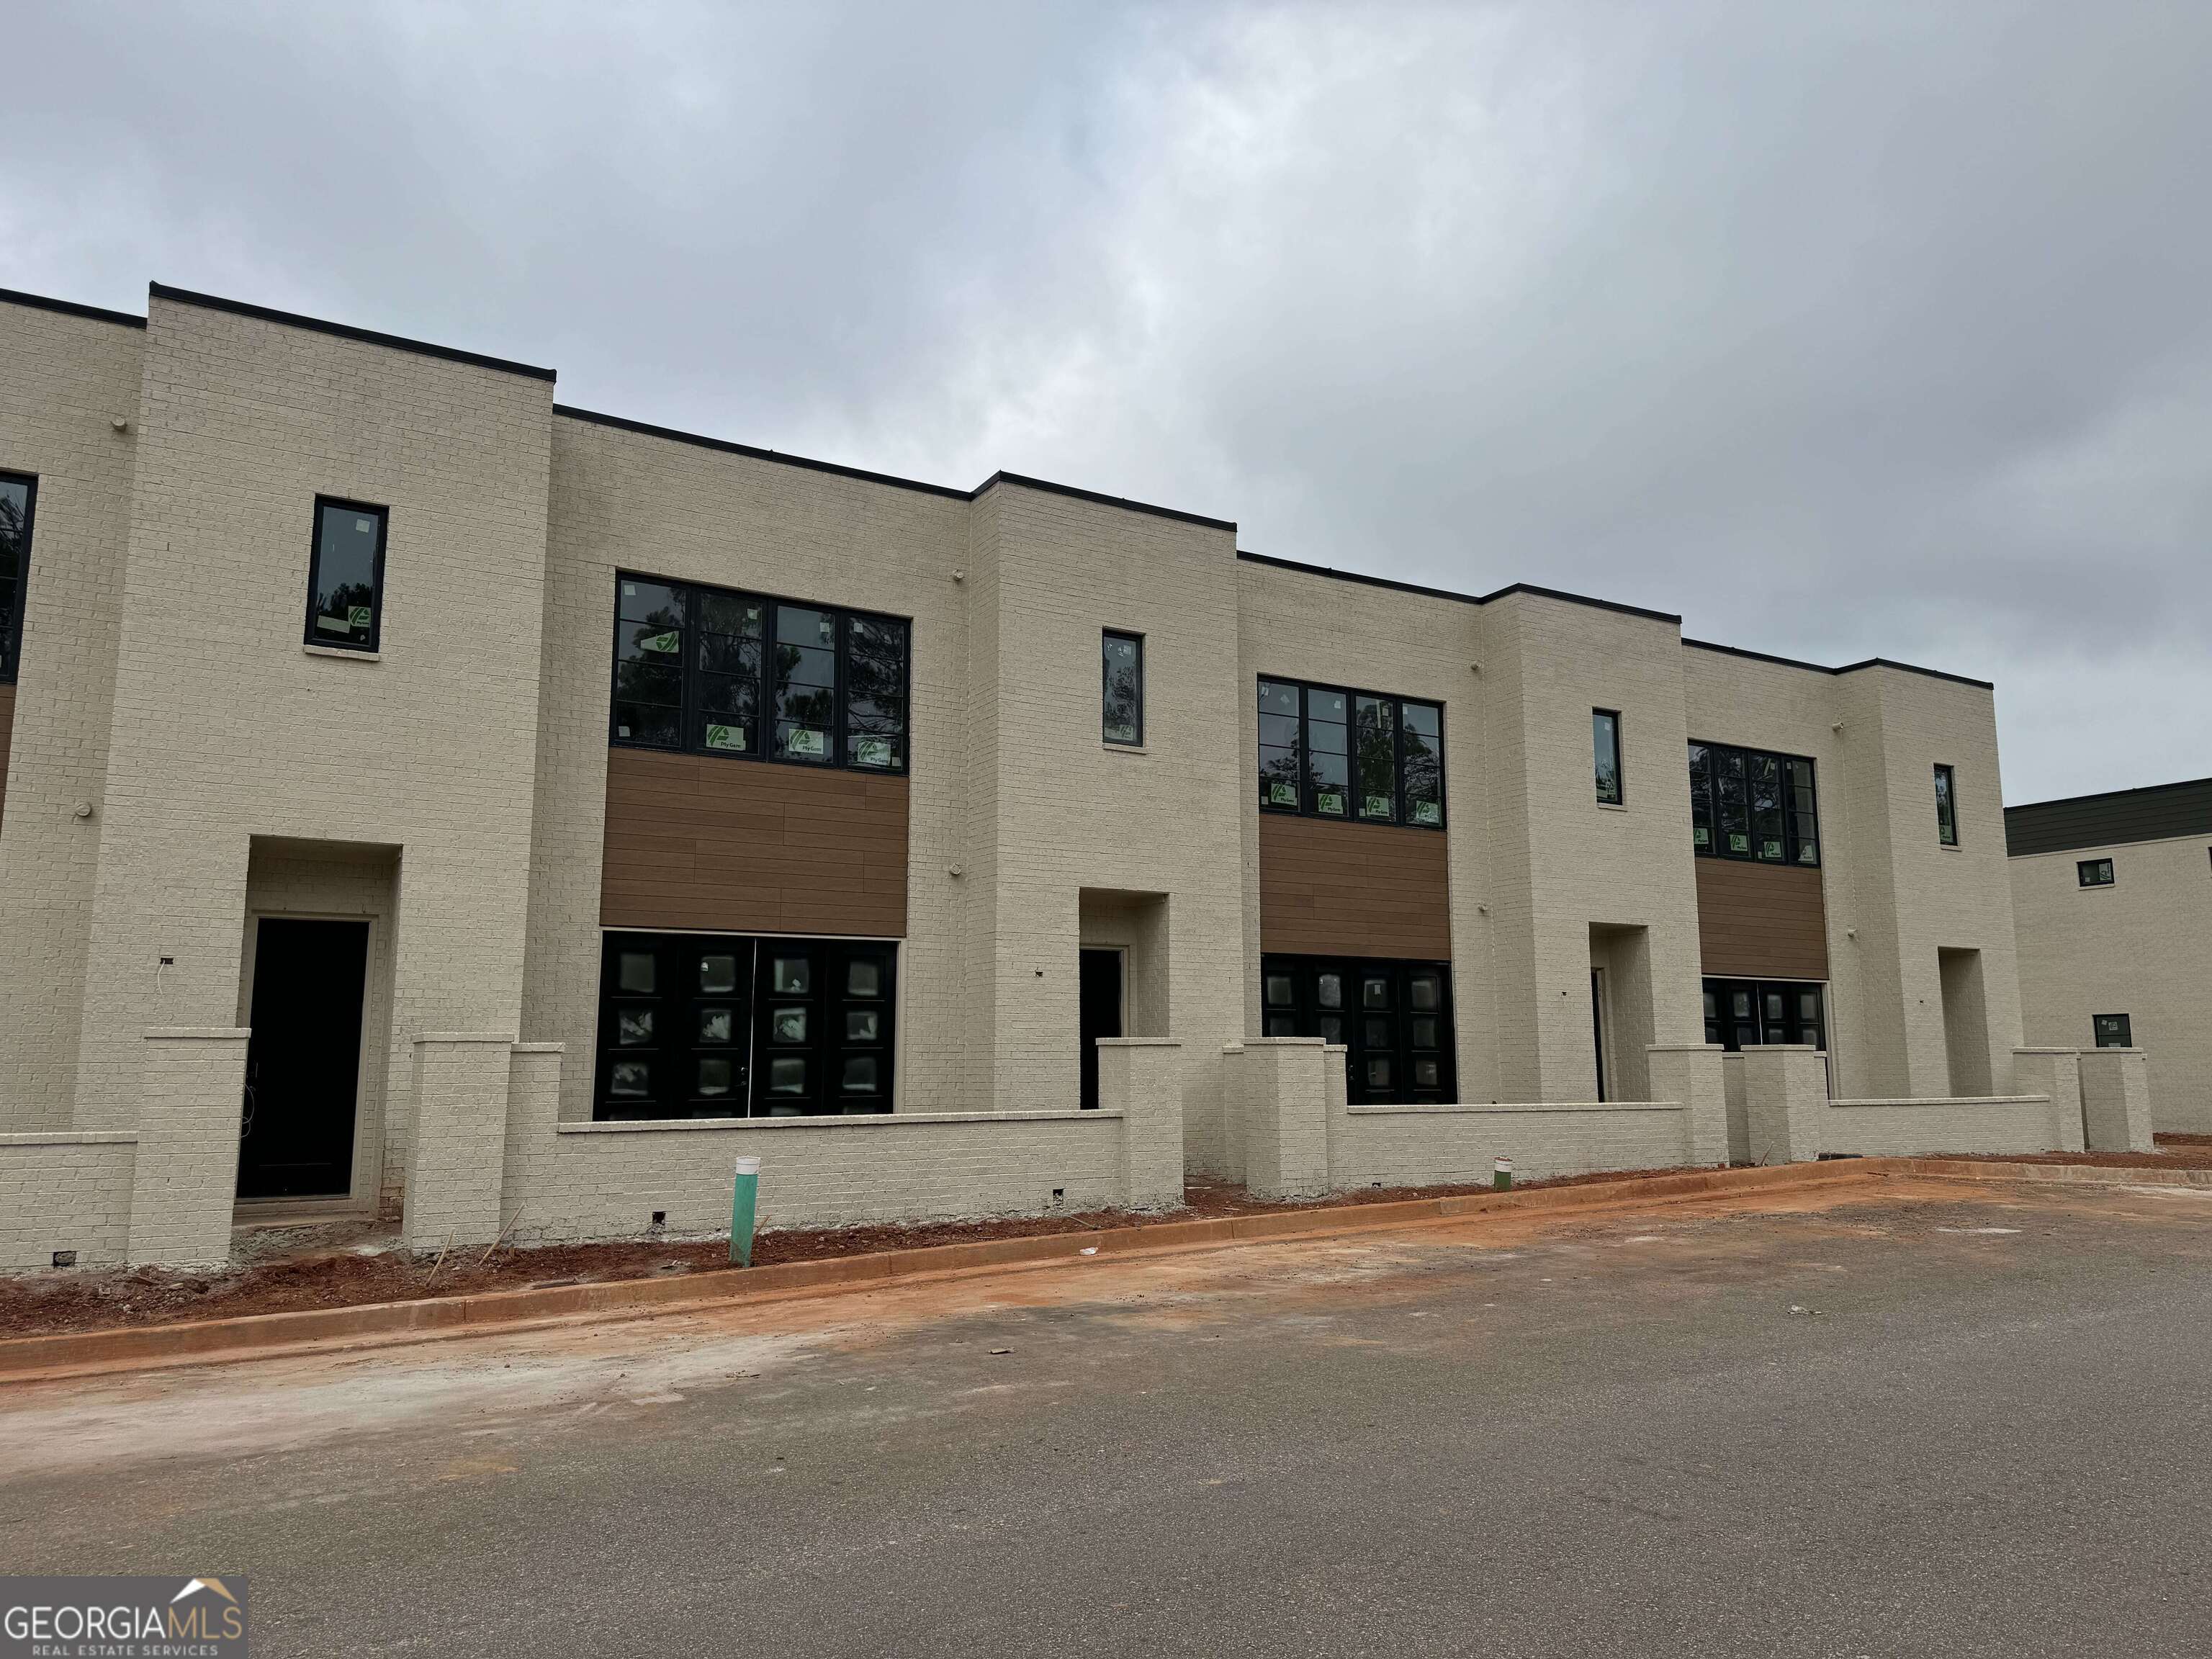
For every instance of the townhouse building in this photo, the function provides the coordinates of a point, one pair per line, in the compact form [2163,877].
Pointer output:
[424,796]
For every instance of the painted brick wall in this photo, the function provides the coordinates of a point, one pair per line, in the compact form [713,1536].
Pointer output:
[65,1190]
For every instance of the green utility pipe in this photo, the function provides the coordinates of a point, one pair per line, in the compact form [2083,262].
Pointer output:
[742,1196]
[1501,1177]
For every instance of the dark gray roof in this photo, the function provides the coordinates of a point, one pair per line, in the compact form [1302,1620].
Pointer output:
[2164,811]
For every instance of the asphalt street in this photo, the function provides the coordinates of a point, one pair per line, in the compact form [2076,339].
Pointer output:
[1926,1419]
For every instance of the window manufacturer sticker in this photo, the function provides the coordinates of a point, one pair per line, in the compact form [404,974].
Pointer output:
[668,643]
[803,741]
[366,526]
[1282,794]
[1378,807]
[1428,812]
[871,752]
[725,737]
[1329,801]
[358,616]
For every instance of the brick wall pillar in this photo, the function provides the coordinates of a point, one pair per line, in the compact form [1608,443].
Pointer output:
[1141,1078]
[457,1164]
[2056,1073]
[1285,1116]
[1785,1094]
[1689,1074]
[2116,1100]
[184,1184]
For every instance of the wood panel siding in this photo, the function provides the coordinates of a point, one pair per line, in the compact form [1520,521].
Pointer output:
[1354,890]
[6,734]
[748,847]
[1761,920]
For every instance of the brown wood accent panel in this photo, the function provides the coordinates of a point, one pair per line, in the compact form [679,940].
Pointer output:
[7,736]
[748,847]
[1761,920]
[1354,890]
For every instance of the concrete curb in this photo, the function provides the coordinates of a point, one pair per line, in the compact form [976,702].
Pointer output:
[430,1319]
[2099,1175]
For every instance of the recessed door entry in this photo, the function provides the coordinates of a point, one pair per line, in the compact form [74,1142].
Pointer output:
[1100,1014]
[303,1061]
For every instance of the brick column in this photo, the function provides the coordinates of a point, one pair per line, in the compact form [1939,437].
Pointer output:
[1285,1117]
[1141,1078]
[1689,1074]
[458,1164]
[184,1186]
[2056,1073]
[2116,1100]
[1785,1091]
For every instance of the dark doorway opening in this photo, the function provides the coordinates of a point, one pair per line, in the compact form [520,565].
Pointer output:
[1597,1027]
[1100,1014]
[303,1061]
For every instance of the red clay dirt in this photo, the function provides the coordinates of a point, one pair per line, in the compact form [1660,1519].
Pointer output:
[324,1271]
[2174,1153]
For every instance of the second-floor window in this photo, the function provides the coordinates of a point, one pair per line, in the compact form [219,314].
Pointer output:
[1121,689]
[1748,804]
[19,496]
[1947,806]
[1605,751]
[2094,872]
[720,672]
[345,575]
[1332,753]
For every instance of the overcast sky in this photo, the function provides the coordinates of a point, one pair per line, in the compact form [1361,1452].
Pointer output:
[1844,329]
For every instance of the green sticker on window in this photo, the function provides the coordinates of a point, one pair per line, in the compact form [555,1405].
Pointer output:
[871,752]
[1378,807]
[1770,849]
[1428,812]
[803,741]
[1739,844]
[1330,802]
[725,737]
[1282,794]
[358,616]
[669,643]
[1701,837]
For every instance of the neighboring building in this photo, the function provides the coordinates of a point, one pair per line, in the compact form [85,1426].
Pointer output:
[370,701]
[2112,896]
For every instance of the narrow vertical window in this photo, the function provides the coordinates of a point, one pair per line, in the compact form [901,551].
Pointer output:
[1804,811]
[1423,735]
[1605,750]
[1947,806]
[345,575]
[1766,827]
[1121,714]
[1328,752]
[875,693]
[1731,802]
[649,621]
[1701,799]
[805,682]
[1375,739]
[19,497]
[728,715]
[1278,745]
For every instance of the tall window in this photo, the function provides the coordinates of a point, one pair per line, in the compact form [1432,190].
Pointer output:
[2112,1030]
[1332,753]
[345,575]
[726,1025]
[1605,749]
[2094,872]
[718,672]
[1121,688]
[1748,803]
[18,499]
[1947,806]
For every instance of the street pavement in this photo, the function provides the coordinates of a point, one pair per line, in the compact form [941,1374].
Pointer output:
[1905,1419]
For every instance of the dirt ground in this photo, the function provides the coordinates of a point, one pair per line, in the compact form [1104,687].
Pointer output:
[348,1264]
[2174,1153]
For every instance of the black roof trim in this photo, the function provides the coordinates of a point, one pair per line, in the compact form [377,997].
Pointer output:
[2158,811]
[71,308]
[344,331]
[753,452]
[1335,574]
[1848,668]
[1176,513]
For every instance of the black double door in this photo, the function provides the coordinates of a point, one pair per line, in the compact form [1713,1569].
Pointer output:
[1100,1015]
[1393,1018]
[303,1061]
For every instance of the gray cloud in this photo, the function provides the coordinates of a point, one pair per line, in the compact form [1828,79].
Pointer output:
[1844,331]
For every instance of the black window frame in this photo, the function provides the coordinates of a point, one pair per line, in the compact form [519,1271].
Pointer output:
[1304,1015]
[1619,796]
[760,731]
[2094,872]
[2127,1030]
[1724,1026]
[826,1042]
[1795,809]
[1105,688]
[11,625]
[1309,790]
[1946,804]
[309,634]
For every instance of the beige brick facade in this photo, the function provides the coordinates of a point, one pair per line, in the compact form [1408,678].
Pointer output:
[451,791]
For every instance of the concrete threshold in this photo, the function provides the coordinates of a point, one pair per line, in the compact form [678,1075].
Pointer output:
[431,1319]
